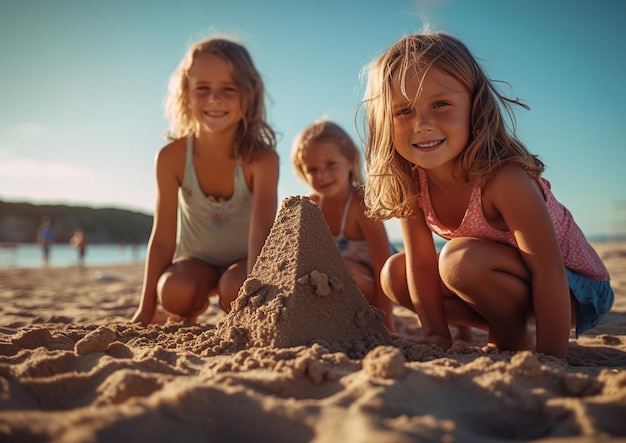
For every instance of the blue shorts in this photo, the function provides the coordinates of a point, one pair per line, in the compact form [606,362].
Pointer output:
[594,297]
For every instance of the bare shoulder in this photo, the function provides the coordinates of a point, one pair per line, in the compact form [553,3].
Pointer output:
[173,151]
[511,195]
[357,205]
[170,161]
[509,173]
[314,197]
[358,212]
[262,169]
[265,158]
[508,180]
[264,164]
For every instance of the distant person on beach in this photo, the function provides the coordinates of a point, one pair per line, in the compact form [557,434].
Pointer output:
[79,241]
[217,184]
[135,252]
[441,157]
[325,157]
[45,237]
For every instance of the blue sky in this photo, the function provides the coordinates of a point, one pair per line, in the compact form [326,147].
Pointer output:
[82,85]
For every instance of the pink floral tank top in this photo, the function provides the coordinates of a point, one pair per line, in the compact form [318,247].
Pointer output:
[578,254]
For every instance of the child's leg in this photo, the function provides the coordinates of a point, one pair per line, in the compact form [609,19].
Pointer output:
[185,286]
[230,282]
[492,279]
[364,278]
[394,283]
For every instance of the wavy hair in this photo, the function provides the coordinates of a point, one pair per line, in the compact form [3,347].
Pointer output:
[391,189]
[254,133]
[327,131]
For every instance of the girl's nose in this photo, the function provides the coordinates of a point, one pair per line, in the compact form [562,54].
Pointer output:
[422,122]
[215,96]
[321,173]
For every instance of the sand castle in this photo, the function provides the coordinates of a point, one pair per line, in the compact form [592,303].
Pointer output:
[301,291]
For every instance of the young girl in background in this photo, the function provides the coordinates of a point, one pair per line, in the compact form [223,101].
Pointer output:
[325,157]
[216,184]
[440,157]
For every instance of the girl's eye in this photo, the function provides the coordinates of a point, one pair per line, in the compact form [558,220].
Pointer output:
[403,112]
[440,104]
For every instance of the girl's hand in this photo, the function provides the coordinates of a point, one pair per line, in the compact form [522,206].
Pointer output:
[142,317]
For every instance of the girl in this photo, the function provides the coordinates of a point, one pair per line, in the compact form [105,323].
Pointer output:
[440,157]
[216,184]
[79,241]
[325,157]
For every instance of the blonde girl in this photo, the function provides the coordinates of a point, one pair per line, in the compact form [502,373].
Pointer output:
[216,184]
[325,157]
[441,157]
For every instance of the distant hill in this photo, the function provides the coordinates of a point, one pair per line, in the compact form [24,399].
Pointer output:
[19,223]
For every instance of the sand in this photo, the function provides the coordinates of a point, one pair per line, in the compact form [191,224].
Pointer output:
[300,358]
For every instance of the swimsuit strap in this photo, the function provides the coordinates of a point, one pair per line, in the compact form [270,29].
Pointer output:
[189,154]
[344,218]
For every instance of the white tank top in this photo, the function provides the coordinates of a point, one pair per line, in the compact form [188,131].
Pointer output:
[210,230]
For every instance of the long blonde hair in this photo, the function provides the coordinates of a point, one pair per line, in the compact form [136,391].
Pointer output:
[327,131]
[254,133]
[391,189]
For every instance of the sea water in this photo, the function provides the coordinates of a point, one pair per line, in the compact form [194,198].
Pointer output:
[29,255]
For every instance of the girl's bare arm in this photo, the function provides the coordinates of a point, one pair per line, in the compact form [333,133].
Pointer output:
[520,201]
[162,242]
[265,205]
[423,280]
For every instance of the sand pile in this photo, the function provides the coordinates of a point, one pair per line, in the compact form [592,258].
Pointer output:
[301,292]
[73,369]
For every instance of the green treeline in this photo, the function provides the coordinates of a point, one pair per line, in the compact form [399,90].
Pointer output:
[19,223]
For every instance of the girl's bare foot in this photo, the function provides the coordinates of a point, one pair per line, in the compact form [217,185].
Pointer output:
[161,317]
[463,333]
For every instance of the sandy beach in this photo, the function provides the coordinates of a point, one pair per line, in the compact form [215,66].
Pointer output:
[300,358]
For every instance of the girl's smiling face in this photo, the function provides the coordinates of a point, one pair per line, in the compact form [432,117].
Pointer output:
[326,170]
[214,96]
[431,118]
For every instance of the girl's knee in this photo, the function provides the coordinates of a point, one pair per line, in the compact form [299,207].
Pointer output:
[230,283]
[455,263]
[459,252]
[466,262]
[393,279]
[394,268]
[183,284]
[171,283]
[227,295]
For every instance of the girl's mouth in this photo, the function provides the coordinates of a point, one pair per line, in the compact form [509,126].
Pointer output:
[215,114]
[429,146]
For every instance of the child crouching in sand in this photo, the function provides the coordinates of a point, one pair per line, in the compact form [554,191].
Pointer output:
[216,184]
[325,157]
[440,157]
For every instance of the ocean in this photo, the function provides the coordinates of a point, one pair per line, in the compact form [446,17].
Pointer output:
[30,255]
